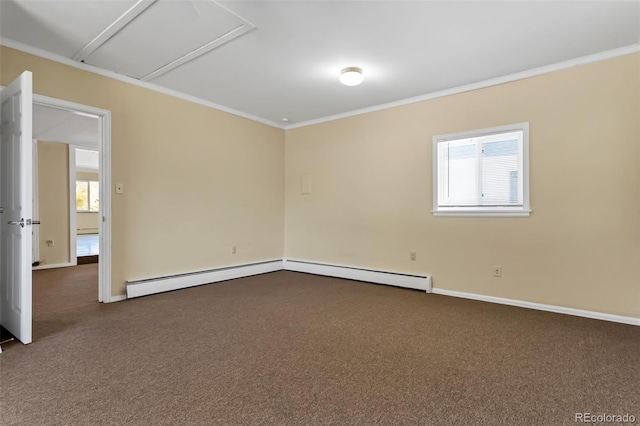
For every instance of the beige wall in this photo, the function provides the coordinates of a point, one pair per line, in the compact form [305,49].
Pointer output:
[53,202]
[87,176]
[372,192]
[87,223]
[197,181]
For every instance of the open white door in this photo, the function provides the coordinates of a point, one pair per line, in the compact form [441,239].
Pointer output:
[15,204]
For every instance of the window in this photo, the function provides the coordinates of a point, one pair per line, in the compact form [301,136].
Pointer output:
[482,172]
[87,196]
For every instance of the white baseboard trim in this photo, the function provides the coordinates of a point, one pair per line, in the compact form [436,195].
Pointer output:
[53,265]
[175,282]
[419,282]
[540,306]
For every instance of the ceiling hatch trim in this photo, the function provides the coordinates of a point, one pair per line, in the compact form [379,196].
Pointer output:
[112,29]
[223,39]
[65,60]
[136,46]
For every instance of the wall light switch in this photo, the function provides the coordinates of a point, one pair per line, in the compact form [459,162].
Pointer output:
[119,188]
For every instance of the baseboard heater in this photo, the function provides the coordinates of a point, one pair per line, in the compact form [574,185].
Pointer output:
[418,282]
[175,282]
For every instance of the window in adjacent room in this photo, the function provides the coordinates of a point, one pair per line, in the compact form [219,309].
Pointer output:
[482,172]
[87,193]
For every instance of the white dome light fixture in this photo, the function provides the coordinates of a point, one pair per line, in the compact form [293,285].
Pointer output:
[351,76]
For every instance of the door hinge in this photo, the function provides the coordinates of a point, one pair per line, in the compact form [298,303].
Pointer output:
[1,209]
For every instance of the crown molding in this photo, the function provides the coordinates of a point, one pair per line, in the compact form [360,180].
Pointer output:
[583,60]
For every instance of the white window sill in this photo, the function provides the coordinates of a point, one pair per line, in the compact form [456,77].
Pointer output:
[482,213]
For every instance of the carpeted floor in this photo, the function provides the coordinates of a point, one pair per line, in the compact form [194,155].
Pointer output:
[56,290]
[293,349]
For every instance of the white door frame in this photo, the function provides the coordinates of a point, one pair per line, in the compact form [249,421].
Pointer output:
[73,217]
[35,213]
[104,130]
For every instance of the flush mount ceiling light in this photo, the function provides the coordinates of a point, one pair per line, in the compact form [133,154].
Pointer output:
[351,76]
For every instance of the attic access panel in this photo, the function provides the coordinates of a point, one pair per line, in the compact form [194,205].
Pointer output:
[61,27]
[166,35]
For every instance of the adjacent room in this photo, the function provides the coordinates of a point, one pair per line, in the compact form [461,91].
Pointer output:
[87,202]
[66,207]
[305,213]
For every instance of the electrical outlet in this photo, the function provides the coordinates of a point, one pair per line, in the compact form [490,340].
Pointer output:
[412,255]
[497,271]
[234,249]
[119,188]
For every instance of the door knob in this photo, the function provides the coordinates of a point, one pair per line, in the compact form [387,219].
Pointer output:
[21,223]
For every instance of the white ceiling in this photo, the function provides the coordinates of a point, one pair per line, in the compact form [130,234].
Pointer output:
[60,125]
[87,160]
[288,65]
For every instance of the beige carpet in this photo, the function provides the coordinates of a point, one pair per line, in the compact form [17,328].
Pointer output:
[293,349]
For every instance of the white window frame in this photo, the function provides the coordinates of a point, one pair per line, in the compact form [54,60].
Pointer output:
[88,196]
[491,211]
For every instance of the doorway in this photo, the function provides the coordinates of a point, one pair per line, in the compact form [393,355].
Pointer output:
[86,133]
[18,288]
